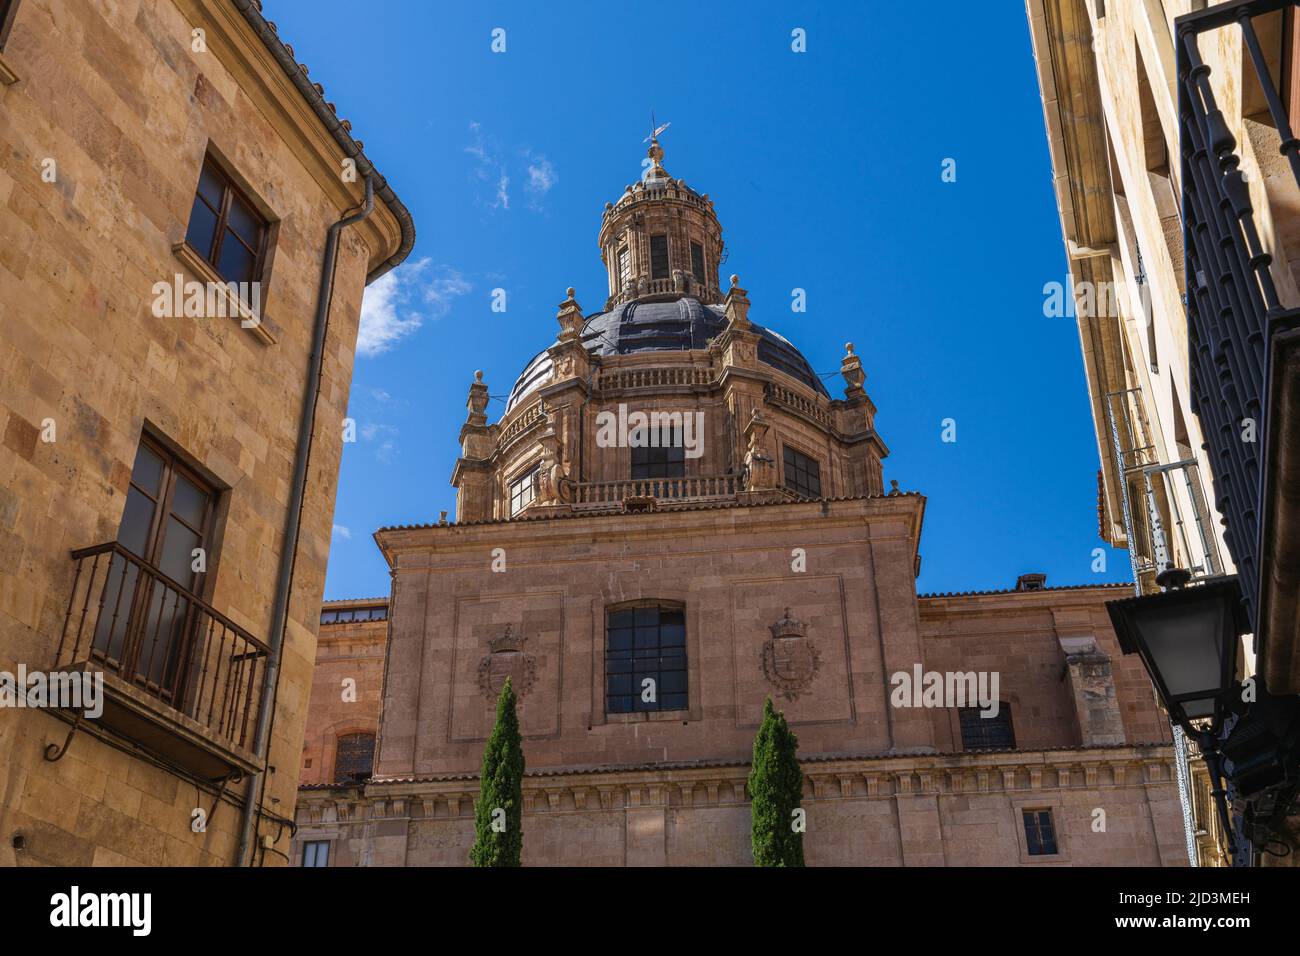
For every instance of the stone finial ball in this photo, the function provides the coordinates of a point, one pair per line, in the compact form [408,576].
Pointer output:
[848,347]
[478,375]
[735,279]
[570,290]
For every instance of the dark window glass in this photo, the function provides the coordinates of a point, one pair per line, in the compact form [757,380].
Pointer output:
[643,643]
[1040,835]
[668,460]
[659,257]
[697,262]
[624,269]
[225,228]
[237,261]
[7,10]
[354,757]
[166,523]
[802,474]
[351,615]
[523,490]
[987,733]
[316,853]
[202,231]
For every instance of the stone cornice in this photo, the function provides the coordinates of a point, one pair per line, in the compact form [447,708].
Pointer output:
[731,520]
[825,778]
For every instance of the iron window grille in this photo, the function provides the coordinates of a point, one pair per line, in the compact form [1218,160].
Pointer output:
[987,733]
[354,757]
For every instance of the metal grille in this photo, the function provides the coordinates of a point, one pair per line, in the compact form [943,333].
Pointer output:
[1232,304]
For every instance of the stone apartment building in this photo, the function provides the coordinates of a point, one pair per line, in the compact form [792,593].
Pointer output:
[646,596]
[186,232]
[1123,135]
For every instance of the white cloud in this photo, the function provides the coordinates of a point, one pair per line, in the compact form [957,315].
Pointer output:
[342,532]
[494,172]
[541,175]
[391,308]
[385,437]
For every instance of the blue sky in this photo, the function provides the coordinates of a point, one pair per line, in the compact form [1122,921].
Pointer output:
[825,168]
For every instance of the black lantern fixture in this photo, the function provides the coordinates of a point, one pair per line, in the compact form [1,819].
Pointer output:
[1188,638]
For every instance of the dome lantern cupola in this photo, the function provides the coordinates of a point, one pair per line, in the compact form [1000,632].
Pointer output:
[661,240]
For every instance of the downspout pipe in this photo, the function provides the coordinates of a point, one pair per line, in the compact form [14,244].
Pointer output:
[293,520]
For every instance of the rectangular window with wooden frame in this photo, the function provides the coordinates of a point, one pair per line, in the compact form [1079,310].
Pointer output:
[225,227]
[697,262]
[166,531]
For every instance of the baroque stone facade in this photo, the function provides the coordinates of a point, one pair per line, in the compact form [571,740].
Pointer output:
[117,119]
[649,596]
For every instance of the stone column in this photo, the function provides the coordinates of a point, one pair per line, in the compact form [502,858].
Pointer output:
[1091,682]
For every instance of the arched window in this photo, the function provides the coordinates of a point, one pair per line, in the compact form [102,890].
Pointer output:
[645,658]
[354,757]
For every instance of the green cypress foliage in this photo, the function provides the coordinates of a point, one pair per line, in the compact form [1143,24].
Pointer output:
[500,785]
[776,791]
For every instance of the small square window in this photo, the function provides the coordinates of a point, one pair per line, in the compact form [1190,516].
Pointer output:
[225,229]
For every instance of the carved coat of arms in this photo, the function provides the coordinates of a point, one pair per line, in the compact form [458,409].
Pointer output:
[506,657]
[790,660]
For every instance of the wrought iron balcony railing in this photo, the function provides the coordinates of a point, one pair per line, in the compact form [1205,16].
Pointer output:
[1233,308]
[128,619]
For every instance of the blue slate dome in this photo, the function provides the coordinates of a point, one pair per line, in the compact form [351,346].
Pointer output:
[684,323]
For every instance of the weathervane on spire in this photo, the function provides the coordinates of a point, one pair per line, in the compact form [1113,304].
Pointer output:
[655,130]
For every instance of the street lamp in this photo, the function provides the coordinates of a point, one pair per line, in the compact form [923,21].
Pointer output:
[1187,638]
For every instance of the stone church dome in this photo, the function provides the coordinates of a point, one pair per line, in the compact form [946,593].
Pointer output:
[684,323]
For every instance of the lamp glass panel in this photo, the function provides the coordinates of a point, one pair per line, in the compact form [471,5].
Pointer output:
[1186,645]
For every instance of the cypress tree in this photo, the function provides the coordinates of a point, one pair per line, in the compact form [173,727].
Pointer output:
[776,791]
[500,785]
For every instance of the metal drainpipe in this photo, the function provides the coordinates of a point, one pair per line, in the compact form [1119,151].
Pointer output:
[293,521]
